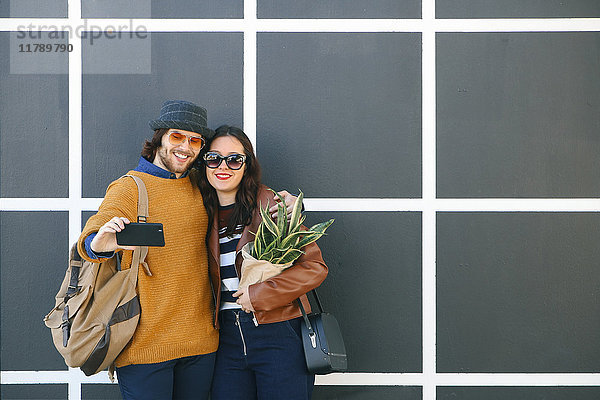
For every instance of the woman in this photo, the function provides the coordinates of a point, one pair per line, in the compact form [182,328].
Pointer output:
[260,353]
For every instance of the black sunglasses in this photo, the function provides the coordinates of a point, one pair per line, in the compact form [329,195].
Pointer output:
[233,161]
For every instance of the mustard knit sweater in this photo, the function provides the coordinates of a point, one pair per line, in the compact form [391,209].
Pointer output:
[176,319]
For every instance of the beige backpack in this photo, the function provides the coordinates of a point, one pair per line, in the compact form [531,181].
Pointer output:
[97,308]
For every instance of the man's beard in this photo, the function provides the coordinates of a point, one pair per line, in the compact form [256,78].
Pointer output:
[171,165]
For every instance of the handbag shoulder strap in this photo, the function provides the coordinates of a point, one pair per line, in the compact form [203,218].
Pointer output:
[140,252]
[316,296]
[314,292]
[311,331]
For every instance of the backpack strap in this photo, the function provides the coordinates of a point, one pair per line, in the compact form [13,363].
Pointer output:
[76,263]
[72,290]
[142,208]
[140,253]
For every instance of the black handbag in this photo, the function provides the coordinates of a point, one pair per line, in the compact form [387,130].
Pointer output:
[324,348]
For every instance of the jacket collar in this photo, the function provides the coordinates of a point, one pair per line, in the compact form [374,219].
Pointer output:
[213,239]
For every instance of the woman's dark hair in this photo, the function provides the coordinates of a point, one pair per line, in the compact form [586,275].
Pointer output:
[245,198]
[150,146]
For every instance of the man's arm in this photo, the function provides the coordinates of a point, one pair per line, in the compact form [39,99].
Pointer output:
[119,203]
[105,241]
[91,254]
[103,244]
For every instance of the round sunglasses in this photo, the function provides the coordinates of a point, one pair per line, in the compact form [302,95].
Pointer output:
[234,161]
[177,138]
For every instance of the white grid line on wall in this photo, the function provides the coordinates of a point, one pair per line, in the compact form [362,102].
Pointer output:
[250,76]
[76,377]
[428,205]
[354,204]
[75,155]
[428,219]
[75,125]
[325,25]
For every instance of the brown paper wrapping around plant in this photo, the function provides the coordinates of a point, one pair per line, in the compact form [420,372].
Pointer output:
[254,271]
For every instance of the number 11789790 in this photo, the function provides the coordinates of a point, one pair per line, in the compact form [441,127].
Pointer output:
[45,48]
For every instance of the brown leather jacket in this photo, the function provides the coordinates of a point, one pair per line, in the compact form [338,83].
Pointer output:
[274,298]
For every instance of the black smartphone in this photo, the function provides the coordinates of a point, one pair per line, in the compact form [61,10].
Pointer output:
[141,234]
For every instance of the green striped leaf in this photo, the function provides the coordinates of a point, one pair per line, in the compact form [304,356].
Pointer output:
[308,239]
[297,228]
[289,256]
[282,221]
[320,228]
[268,222]
[270,247]
[270,255]
[292,239]
[282,218]
[295,222]
[258,242]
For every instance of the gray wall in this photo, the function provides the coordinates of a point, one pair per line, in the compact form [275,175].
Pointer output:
[32,269]
[340,115]
[33,8]
[35,106]
[162,9]
[516,8]
[338,9]
[347,104]
[518,114]
[517,292]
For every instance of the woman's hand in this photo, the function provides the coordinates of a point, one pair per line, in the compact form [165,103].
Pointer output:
[106,238]
[244,300]
[289,203]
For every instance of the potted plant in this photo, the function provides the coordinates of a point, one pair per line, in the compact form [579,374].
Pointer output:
[277,244]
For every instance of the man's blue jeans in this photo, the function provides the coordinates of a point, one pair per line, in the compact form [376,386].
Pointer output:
[260,362]
[182,378]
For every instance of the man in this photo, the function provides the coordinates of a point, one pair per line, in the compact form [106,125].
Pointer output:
[172,352]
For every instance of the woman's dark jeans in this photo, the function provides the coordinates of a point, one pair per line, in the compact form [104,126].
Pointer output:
[260,362]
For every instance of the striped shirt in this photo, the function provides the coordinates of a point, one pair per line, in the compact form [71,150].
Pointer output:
[227,245]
